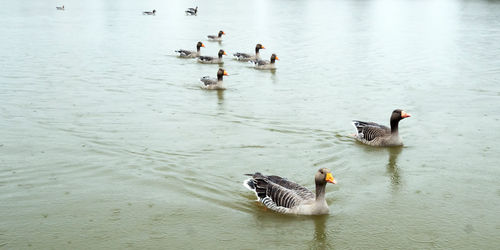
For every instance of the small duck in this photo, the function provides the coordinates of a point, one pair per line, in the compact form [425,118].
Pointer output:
[60,8]
[191,54]
[264,64]
[374,134]
[217,38]
[212,83]
[211,59]
[149,13]
[192,11]
[247,57]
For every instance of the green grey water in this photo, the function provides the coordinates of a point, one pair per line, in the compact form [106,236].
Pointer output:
[107,140]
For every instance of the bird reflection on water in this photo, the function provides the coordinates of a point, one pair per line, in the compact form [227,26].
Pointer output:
[320,240]
[392,167]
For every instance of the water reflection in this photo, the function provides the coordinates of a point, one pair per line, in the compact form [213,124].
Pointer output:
[320,240]
[220,95]
[392,167]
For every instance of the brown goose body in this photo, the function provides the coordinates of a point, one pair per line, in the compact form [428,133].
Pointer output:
[374,134]
[284,196]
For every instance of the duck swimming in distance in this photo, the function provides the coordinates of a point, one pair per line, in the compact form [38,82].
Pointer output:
[191,54]
[265,64]
[217,37]
[247,57]
[374,134]
[211,59]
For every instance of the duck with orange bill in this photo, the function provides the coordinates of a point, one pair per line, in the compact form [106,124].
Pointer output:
[374,134]
[265,64]
[211,59]
[214,83]
[248,57]
[190,54]
[283,196]
[216,38]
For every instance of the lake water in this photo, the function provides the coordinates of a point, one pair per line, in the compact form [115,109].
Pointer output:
[107,140]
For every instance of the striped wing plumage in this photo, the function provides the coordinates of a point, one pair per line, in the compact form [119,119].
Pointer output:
[277,193]
[370,131]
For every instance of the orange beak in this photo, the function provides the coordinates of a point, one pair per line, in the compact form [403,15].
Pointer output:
[404,114]
[223,32]
[225,73]
[277,58]
[263,47]
[225,53]
[203,45]
[329,178]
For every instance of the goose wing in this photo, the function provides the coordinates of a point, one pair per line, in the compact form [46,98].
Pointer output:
[183,52]
[212,36]
[277,193]
[242,55]
[206,58]
[369,130]
[206,80]
[261,62]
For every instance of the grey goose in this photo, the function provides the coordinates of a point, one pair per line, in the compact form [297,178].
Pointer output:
[213,60]
[211,83]
[247,57]
[265,64]
[191,54]
[374,134]
[284,196]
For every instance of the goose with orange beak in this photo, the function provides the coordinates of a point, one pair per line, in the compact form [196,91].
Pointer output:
[191,54]
[212,60]
[216,38]
[284,196]
[212,83]
[374,134]
[247,57]
[265,64]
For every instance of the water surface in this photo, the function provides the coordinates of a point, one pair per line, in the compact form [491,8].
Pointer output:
[108,141]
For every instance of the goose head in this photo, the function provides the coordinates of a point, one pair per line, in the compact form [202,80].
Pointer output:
[323,176]
[220,73]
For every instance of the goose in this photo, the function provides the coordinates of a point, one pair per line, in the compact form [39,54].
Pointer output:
[217,38]
[264,64]
[212,83]
[210,59]
[191,54]
[247,57]
[192,11]
[60,8]
[149,12]
[374,134]
[284,196]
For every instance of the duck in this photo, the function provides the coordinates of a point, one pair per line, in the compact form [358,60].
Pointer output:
[149,12]
[192,11]
[212,83]
[213,60]
[60,8]
[217,38]
[374,134]
[283,196]
[247,57]
[264,64]
[191,54]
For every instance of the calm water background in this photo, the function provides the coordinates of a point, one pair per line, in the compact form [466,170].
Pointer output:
[107,141]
